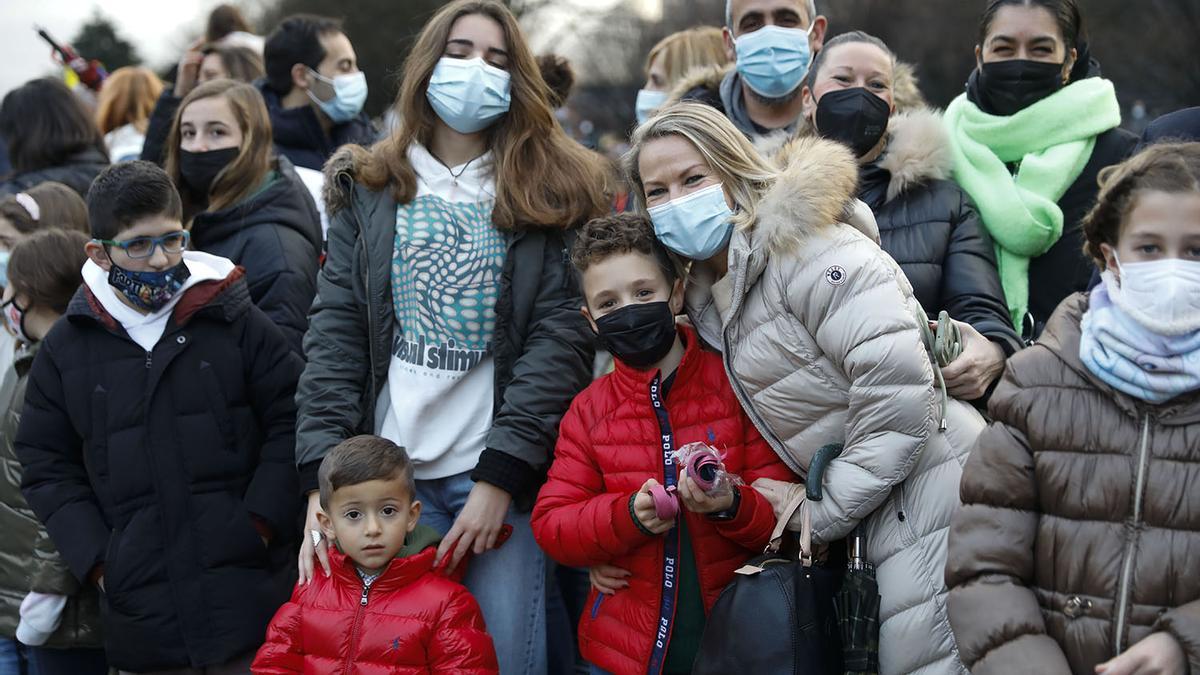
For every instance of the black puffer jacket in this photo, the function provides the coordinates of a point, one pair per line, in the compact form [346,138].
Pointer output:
[299,136]
[77,173]
[160,470]
[929,226]
[276,236]
[543,347]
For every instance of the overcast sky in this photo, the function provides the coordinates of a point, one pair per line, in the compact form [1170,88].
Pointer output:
[156,27]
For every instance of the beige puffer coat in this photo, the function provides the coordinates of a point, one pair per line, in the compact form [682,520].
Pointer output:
[821,344]
[1079,533]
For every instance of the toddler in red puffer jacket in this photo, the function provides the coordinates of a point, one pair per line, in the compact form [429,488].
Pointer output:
[384,608]
[615,450]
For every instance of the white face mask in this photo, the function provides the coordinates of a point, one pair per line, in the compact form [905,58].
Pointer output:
[1162,295]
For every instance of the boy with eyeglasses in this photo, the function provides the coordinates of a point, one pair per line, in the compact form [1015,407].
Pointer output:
[158,439]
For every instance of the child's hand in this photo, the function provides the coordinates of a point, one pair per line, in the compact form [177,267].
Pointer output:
[608,579]
[643,508]
[698,501]
[1157,654]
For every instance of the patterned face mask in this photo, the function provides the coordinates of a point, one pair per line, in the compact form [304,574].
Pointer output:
[150,291]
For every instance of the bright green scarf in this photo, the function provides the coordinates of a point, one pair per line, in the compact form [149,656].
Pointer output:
[1052,141]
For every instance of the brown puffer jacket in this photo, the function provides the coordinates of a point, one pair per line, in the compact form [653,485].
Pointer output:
[1079,533]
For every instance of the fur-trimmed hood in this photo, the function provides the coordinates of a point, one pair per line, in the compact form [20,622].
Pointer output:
[707,78]
[815,190]
[340,171]
[918,150]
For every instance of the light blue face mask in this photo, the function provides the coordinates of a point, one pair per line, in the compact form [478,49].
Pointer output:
[4,256]
[696,226]
[772,60]
[647,102]
[349,95]
[469,94]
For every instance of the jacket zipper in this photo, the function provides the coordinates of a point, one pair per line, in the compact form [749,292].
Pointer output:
[1130,545]
[366,265]
[358,621]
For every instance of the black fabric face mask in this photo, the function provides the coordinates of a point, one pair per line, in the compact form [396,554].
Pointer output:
[853,117]
[199,169]
[640,334]
[1007,87]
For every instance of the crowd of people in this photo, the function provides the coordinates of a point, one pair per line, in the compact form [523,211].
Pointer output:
[286,389]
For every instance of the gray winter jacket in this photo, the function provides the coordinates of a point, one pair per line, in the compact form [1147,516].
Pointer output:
[822,346]
[542,345]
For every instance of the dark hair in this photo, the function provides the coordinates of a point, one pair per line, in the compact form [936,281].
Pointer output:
[854,36]
[47,268]
[361,459]
[58,206]
[223,20]
[242,63]
[1169,167]
[559,76]
[44,124]
[612,235]
[127,192]
[297,39]
[1065,12]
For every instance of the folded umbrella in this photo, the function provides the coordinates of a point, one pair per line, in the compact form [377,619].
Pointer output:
[857,607]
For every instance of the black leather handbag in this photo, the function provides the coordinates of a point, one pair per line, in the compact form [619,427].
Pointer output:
[777,616]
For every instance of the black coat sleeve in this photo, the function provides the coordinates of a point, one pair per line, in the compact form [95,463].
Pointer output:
[271,372]
[554,366]
[55,481]
[159,127]
[971,290]
[337,373]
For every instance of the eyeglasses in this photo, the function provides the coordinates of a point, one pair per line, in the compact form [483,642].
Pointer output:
[144,247]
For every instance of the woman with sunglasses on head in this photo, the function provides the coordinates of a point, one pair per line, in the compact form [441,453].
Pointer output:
[447,318]
[242,203]
[41,603]
[1029,137]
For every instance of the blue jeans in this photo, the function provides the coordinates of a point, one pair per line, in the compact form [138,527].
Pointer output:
[46,661]
[509,583]
[12,657]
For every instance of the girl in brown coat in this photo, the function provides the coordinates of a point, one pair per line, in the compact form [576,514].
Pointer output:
[1077,548]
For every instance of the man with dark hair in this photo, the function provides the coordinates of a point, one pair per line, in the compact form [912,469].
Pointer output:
[158,438]
[314,90]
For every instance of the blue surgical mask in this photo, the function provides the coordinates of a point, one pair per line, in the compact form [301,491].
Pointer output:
[469,94]
[647,102]
[696,226]
[349,95]
[772,60]
[4,256]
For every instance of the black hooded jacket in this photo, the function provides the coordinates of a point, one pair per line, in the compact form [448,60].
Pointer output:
[77,173]
[276,236]
[929,226]
[163,470]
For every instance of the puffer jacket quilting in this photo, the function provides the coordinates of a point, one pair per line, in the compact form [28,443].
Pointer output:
[1047,524]
[414,620]
[608,447]
[822,345]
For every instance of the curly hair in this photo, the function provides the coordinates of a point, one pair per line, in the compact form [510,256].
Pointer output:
[1168,167]
[620,233]
[559,76]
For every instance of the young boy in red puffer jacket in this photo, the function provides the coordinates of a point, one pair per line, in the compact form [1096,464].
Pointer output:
[614,449]
[384,609]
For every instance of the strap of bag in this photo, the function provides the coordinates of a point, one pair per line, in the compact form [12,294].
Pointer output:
[799,502]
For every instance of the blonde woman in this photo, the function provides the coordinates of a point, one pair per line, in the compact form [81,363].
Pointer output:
[675,56]
[818,331]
